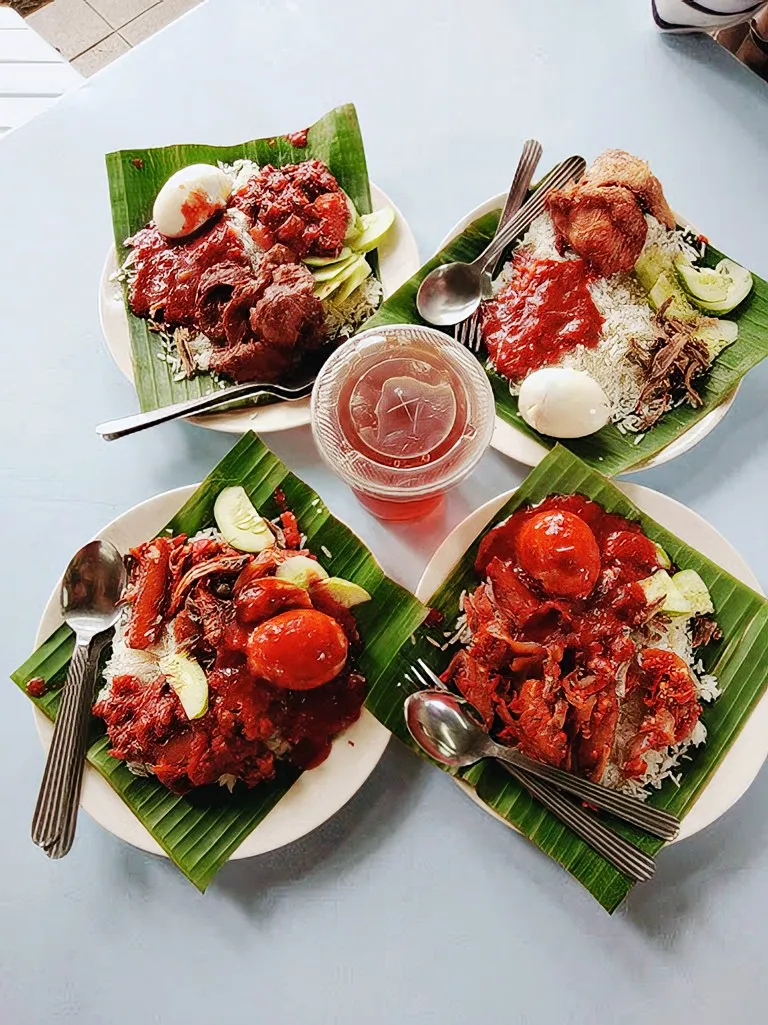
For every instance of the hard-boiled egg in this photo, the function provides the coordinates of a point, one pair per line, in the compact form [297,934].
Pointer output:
[563,403]
[189,198]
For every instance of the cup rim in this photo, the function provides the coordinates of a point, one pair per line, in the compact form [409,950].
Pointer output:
[395,492]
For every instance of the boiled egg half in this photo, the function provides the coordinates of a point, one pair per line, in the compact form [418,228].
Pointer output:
[563,403]
[189,198]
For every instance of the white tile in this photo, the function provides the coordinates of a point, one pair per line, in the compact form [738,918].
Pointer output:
[36,79]
[27,45]
[15,110]
[120,12]
[154,19]
[10,19]
[70,25]
[101,54]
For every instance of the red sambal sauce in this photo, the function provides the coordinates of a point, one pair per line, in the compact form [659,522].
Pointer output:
[545,311]
[197,209]
[269,697]
[559,638]
[298,139]
[167,272]
[300,206]
[569,551]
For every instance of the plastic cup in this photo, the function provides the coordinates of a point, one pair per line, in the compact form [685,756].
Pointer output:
[402,414]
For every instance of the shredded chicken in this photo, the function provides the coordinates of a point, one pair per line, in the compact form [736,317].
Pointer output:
[181,338]
[677,358]
[703,630]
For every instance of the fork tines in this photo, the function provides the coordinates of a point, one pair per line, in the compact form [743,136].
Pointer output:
[425,677]
[468,334]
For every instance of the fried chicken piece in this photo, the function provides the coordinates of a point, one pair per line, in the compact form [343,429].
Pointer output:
[603,224]
[601,217]
[616,167]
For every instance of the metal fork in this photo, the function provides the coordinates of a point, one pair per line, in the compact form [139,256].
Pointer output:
[113,429]
[631,809]
[619,852]
[468,331]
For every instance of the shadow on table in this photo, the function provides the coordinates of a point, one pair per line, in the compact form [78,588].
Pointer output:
[728,448]
[376,811]
[700,871]
[424,535]
[723,79]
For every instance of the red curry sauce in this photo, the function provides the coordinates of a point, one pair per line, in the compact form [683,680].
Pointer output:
[545,311]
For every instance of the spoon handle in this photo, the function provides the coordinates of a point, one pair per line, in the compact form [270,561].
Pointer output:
[623,855]
[518,190]
[573,167]
[623,806]
[53,825]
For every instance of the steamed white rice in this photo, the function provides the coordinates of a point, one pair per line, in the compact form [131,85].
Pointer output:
[672,635]
[627,334]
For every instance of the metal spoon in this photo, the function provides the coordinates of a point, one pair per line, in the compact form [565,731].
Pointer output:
[521,183]
[442,720]
[90,592]
[439,725]
[452,292]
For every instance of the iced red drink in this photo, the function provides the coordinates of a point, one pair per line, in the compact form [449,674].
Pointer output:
[402,414]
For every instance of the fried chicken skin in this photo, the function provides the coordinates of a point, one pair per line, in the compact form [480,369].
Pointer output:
[601,217]
[616,167]
[601,223]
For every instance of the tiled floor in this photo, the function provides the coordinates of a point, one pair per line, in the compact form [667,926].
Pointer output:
[91,33]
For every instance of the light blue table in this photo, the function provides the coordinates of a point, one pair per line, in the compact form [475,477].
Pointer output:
[410,905]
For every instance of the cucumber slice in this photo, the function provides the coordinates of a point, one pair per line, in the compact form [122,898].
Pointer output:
[325,288]
[717,335]
[695,591]
[355,226]
[189,681]
[651,264]
[332,269]
[353,281]
[325,261]
[375,227]
[239,523]
[344,592]
[664,560]
[701,282]
[666,287]
[740,276]
[662,586]
[301,570]
[715,291]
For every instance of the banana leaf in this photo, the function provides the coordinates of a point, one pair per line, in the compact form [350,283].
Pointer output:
[200,831]
[135,177]
[738,660]
[608,450]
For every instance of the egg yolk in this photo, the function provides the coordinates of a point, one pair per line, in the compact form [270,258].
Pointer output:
[297,650]
[560,551]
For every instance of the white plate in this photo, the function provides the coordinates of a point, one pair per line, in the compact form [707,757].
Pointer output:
[750,749]
[519,446]
[398,260]
[316,795]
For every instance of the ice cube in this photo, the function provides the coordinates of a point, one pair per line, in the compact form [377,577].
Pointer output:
[412,418]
